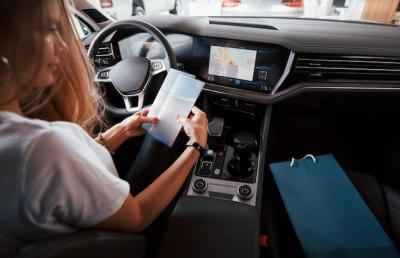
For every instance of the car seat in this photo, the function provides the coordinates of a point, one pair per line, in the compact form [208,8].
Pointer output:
[87,244]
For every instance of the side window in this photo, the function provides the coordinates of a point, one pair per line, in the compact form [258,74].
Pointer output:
[83,29]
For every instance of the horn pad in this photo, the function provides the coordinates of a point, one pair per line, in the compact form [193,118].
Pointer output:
[130,75]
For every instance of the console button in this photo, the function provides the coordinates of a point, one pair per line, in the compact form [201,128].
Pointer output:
[97,61]
[205,168]
[245,192]
[210,153]
[199,186]
[262,75]
[217,171]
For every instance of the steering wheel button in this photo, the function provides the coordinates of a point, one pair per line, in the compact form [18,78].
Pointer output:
[217,171]
[156,66]
[104,61]
[104,75]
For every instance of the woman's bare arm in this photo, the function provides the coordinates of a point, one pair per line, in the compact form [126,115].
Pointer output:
[140,211]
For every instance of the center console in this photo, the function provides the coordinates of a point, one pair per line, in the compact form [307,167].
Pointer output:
[229,169]
[218,213]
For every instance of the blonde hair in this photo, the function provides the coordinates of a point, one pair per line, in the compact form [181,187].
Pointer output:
[73,97]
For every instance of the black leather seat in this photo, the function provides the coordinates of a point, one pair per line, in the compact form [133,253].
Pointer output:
[383,201]
[88,244]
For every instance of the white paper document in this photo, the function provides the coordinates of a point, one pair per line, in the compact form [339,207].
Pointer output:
[177,96]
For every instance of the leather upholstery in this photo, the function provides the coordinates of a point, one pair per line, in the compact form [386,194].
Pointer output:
[88,244]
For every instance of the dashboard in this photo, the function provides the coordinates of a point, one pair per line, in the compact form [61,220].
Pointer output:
[265,60]
[231,63]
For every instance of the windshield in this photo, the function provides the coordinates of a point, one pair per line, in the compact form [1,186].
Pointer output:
[385,11]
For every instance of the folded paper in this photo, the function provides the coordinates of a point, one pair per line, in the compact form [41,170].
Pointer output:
[176,96]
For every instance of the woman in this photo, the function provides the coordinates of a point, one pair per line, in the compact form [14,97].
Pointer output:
[54,177]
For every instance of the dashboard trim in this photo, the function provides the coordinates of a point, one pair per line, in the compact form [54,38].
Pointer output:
[300,88]
[345,68]
[346,61]
[285,73]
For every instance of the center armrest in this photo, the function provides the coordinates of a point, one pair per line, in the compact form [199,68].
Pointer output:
[205,227]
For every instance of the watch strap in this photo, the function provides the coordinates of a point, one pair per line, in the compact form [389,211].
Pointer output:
[197,146]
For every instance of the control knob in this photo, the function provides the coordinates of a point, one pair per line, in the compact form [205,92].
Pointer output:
[199,186]
[245,192]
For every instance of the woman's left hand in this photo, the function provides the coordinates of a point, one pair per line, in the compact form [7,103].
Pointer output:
[133,124]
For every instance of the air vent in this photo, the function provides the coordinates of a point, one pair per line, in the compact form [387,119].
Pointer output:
[104,50]
[104,55]
[347,67]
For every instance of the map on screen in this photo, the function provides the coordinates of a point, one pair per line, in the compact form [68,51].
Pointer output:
[232,62]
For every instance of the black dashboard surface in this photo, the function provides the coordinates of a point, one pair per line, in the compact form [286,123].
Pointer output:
[367,55]
[299,35]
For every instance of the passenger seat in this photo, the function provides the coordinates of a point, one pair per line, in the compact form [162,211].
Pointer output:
[383,201]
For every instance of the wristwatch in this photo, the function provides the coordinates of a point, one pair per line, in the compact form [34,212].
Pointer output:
[197,146]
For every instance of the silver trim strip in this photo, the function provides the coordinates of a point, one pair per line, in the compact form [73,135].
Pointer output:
[285,72]
[343,68]
[270,99]
[97,55]
[352,88]
[347,61]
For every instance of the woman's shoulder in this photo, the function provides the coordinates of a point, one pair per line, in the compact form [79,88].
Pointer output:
[23,140]
[25,132]
[32,126]
[68,127]
[20,132]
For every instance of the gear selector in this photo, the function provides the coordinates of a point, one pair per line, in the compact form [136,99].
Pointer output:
[242,164]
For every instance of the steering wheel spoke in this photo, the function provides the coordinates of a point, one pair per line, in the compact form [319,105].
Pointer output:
[157,66]
[134,103]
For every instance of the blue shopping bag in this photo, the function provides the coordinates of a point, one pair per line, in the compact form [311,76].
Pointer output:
[329,216]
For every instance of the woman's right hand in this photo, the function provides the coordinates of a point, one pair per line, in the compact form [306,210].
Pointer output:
[195,126]
[140,211]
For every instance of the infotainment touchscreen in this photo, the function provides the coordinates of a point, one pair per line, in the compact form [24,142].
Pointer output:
[232,62]
[238,64]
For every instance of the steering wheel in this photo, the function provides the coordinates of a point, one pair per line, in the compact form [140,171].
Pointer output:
[132,76]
